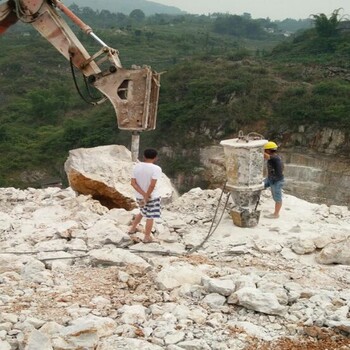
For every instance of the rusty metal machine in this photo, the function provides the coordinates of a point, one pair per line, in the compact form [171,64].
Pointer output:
[244,158]
[133,93]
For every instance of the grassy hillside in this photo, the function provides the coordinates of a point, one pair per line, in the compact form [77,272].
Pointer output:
[214,84]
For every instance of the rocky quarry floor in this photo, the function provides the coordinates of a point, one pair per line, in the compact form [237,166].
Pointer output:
[72,278]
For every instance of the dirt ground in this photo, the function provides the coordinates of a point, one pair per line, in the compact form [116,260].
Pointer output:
[335,343]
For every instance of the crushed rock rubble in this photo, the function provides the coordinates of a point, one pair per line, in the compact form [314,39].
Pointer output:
[72,278]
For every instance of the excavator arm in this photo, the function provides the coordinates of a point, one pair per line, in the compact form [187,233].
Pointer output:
[7,17]
[133,93]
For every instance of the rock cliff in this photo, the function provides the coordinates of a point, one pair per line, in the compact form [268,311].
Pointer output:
[317,165]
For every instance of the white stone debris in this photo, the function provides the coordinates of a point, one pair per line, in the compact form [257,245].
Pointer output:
[71,278]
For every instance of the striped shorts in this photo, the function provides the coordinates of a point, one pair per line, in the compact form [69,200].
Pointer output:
[151,210]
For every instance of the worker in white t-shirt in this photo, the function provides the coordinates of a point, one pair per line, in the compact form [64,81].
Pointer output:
[144,180]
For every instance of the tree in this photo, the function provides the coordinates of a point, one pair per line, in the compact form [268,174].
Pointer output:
[137,15]
[238,26]
[327,27]
[75,8]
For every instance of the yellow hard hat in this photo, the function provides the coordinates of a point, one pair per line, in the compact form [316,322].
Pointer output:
[270,145]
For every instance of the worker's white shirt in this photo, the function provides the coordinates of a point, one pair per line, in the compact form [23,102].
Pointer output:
[144,173]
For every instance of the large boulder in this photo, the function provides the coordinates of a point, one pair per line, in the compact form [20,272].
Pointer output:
[104,173]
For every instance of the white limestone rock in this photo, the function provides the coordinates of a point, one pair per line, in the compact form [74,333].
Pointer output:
[38,340]
[123,276]
[11,262]
[214,300]
[322,210]
[76,245]
[76,339]
[339,211]
[35,271]
[100,302]
[111,256]
[105,326]
[252,329]
[65,229]
[224,287]
[51,245]
[105,173]
[5,221]
[8,317]
[174,337]
[267,286]
[173,276]
[267,246]
[246,281]
[106,232]
[256,300]
[50,215]
[35,322]
[303,246]
[117,342]
[4,345]
[132,314]
[120,216]
[51,328]
[198,315]
[294,291]
[195,344]
[343,325]
[335,253]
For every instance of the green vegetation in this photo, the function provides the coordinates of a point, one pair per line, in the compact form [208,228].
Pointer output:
[221,74]
[326,44]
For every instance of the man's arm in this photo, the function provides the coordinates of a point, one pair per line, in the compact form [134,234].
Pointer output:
[137,188]
[150,189]
[267,156]
[144,194]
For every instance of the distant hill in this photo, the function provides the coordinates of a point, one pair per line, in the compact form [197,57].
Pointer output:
[126,6]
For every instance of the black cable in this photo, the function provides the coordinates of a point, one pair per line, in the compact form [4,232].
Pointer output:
[210,233]
[89,91]
[46,251]
[65,257]
[21,15]
[257,203]
[77,87]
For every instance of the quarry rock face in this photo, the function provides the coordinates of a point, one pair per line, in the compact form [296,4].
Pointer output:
[104,172]
[316,165]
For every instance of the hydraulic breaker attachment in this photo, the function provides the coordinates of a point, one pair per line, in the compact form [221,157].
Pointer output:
[134,95]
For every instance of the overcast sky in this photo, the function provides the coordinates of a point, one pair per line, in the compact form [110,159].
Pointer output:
[274,9]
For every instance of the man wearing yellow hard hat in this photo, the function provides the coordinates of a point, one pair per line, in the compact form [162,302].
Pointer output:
[275,177]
